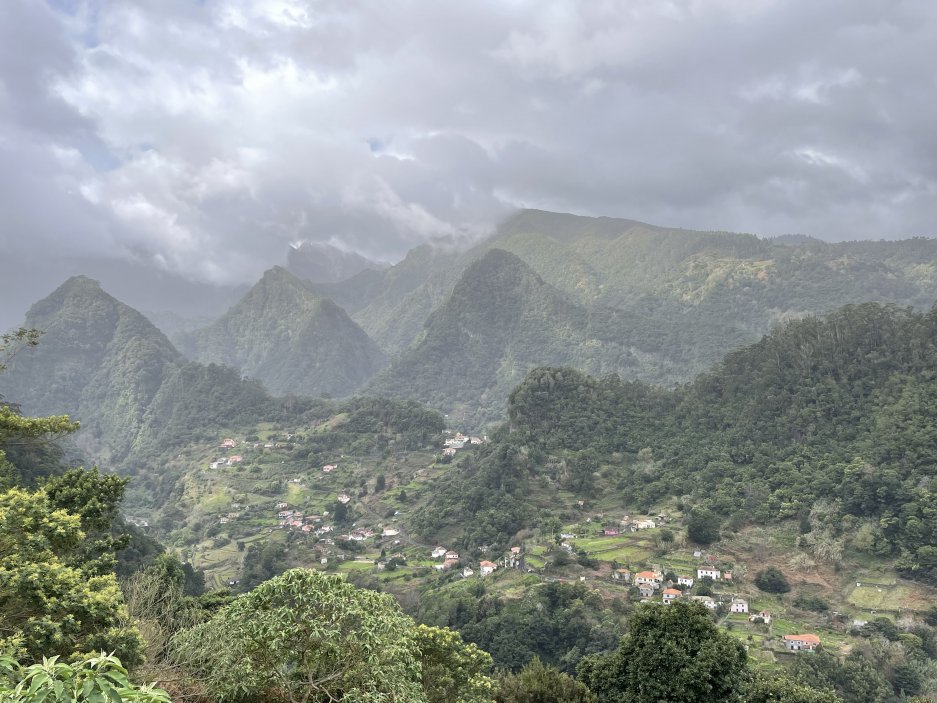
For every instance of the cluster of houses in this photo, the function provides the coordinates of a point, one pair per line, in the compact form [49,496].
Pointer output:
[458,441]
[450,559]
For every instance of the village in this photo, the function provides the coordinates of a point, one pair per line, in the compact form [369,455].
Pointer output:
[350,514]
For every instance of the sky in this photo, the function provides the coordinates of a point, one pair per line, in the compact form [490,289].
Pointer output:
[199,138]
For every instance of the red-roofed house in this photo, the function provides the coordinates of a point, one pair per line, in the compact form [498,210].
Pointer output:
[671,594]
[647,577]
[488,567]
[796,643]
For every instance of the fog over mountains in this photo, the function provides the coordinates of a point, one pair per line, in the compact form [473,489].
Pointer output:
[458,330]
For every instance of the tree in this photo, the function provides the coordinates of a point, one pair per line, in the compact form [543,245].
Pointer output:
[771,580]
[380,483]
[536,683]
[100,679]
[781,689]
[703,526]
[673,654]
[306,636]
[452,670]
[51,601]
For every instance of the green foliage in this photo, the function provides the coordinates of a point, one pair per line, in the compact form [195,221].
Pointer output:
[53,601]
[304,634]
[703,527]
[781,689]
[555,622]
[290,339]
[771,580]
[536,683]
[673,654]
[453,671]
[96,679]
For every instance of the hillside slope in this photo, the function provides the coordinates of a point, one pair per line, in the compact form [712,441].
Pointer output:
[104,364]
[688,295]
[289,338]
[832,421]
[500,321]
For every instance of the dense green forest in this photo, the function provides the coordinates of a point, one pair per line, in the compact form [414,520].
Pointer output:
[290,339]
[828,420]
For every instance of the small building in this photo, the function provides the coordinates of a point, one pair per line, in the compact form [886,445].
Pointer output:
[452,555]
[738,605]
[670,595]
[622,575]
[214,465]
[726,575]
[764,616]
[610,532]
[466,572]
[646,590]
[228,443]
[644,524]
[439,552]
[713,574]
[706,601]
[343,497]
[389,532]
[697,554]
[515,550]
[329,468]
[687,581]
[448,451]
[236,459]
[449,563]
[798,643]
[488,567]
[282,505]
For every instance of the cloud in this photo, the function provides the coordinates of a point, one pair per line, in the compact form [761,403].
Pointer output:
[203,137]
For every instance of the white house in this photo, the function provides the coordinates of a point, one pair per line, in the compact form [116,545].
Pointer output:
[343,498]
[647,577]
[389,532]
[738,605]
[488,567]
[764,615]
[466,572]
[646,590]
[622,575]
[713,574]
[439,552]
[670,595]
[687,581]
[797,643]
[707,601]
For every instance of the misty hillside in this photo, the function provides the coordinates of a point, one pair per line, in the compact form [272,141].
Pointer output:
[500,320]
[742,284]
[290,339]
[319,262]
[104,364]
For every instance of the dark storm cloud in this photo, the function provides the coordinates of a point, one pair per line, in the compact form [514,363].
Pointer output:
[202,138]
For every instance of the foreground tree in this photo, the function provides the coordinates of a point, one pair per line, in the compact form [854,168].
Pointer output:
[100,679]
[306,637]
[536,683]
[674,654]
[52,602]
[453,671]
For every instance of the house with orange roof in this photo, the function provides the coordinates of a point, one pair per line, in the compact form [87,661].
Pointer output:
[487,567]
[647,577]
[797,643]
[670,595]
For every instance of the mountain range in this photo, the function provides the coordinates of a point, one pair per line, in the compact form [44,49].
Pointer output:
[458,329]
[290,339]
